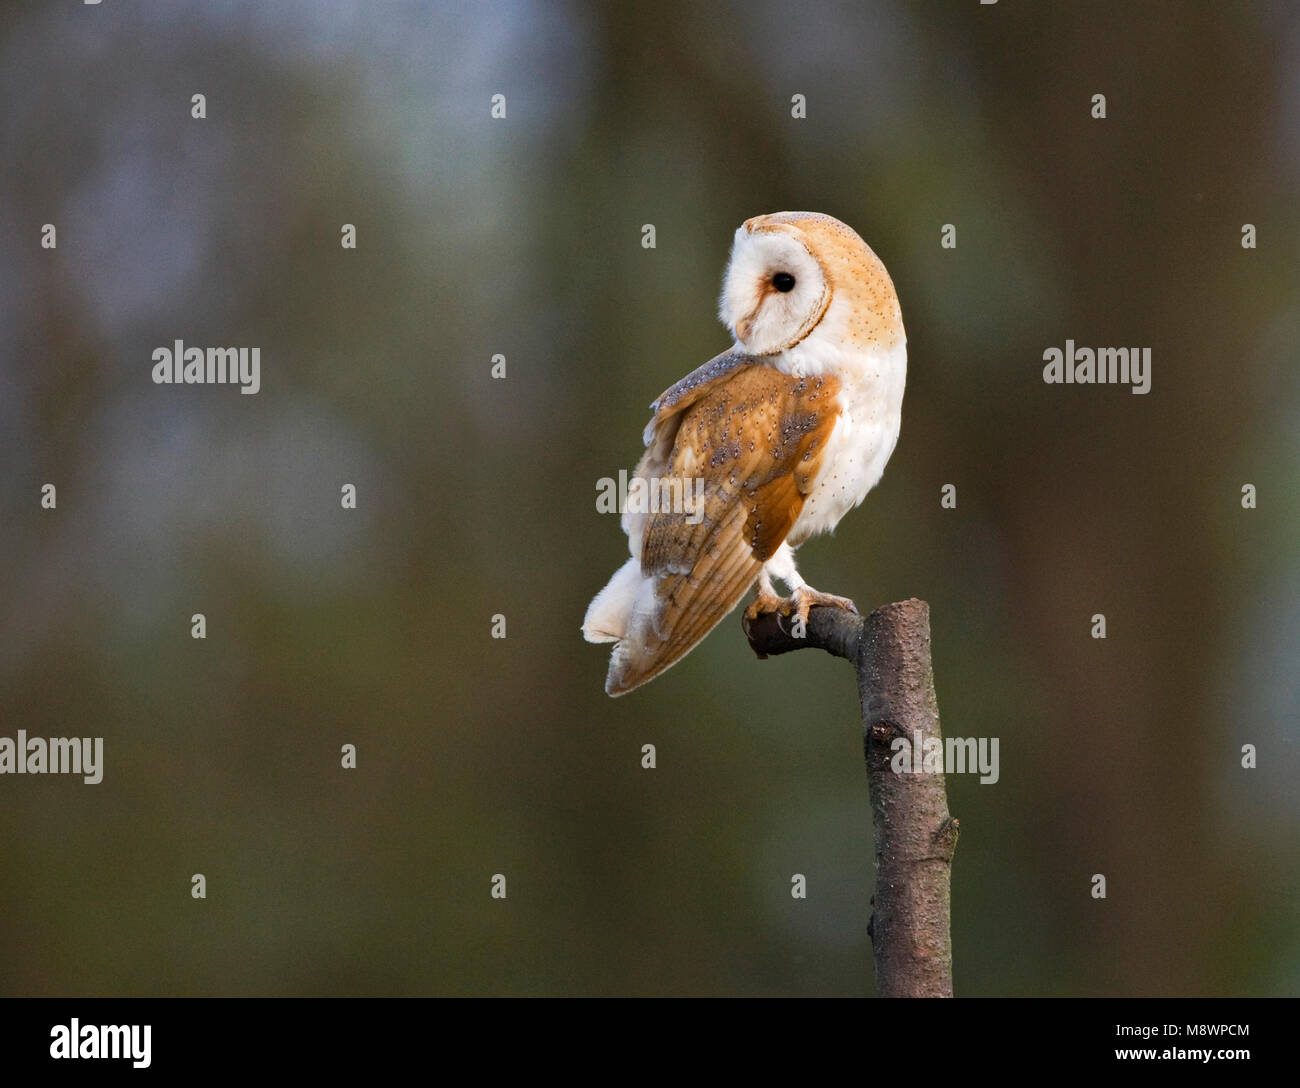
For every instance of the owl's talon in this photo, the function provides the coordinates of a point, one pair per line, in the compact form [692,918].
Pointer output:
[765,602]
[805,597]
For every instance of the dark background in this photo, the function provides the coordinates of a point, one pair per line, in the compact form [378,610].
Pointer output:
[522,237]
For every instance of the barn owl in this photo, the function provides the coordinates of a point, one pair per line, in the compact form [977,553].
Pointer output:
[775,440]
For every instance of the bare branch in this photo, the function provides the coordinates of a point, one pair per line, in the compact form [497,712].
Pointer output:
[831,629]
[915,836]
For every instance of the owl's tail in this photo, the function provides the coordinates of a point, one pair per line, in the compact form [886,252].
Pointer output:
[611,610]
[626,612]
[632,611]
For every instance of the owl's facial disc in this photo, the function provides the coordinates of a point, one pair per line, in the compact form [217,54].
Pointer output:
[774,292]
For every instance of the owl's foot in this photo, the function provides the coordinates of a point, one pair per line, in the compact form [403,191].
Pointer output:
[798,603]
[766,601]
[804,597]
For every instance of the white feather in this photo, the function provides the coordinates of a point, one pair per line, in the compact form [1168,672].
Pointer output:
[782,318]
[608,614]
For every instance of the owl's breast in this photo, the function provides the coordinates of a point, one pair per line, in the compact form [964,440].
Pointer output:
[871,406]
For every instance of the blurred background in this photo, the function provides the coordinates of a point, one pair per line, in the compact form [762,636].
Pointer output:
[522,237]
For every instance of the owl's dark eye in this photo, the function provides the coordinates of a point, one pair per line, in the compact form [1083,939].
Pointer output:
[783,282]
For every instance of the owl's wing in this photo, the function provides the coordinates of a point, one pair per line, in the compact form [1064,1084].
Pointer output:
[744,443]
[682,394]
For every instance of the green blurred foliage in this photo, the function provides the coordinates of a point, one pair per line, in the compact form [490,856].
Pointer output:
[522,236]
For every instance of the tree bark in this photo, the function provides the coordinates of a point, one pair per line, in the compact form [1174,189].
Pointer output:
[915,836]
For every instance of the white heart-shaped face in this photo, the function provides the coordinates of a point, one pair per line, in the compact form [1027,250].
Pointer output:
[774,292]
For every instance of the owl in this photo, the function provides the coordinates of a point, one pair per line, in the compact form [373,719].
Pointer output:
[762,447]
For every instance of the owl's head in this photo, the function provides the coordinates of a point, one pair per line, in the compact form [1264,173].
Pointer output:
[787,271]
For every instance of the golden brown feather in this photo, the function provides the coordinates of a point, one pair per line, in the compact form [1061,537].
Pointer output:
[755,436]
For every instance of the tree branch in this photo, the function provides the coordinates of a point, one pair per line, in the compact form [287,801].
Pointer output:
[915,836]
